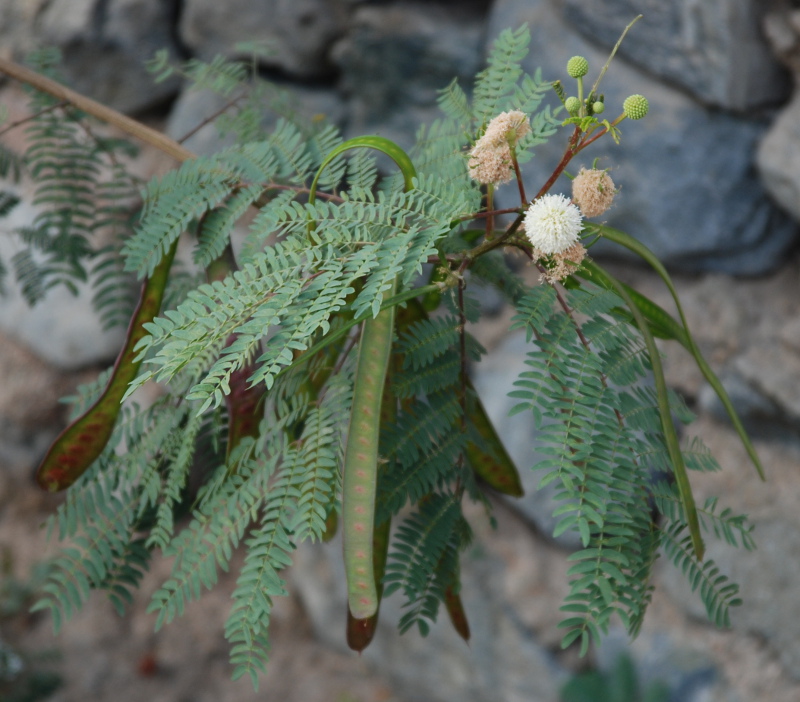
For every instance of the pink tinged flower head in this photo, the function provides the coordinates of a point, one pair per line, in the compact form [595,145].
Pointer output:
[593,191]
[490,159]
[506,128]
[491,166]
[553,224]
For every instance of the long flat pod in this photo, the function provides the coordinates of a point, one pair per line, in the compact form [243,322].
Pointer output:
[359,481]
[360,632]
[76,448]
[360,472]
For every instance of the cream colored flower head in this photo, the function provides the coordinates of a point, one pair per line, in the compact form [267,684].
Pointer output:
[506,128]
[593,191]
[553,224]
[490,159]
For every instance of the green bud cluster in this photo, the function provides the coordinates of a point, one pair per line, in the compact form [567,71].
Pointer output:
[635,106]
[577,67]
[598,107]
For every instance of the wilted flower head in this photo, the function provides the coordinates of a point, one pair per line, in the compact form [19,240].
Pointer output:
[552,224]
[490,159]
[558,267]
[593,191]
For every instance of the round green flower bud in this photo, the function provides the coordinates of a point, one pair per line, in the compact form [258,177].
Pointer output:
[573,105]
[635,106]
[598,107]
[577,67]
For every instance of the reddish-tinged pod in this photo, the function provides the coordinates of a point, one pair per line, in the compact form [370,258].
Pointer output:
[77,447]
[455,608]
[360,631]
[491,461]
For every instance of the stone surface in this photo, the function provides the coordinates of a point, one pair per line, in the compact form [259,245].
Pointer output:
[715,49]
[773,369]
[105,46]
[504,660]
[767,575]
[61,329]
[778,158]
[297,33]
[396,57]
[194,106]
[688,188]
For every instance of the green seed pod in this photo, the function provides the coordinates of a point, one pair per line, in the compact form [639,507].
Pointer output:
[573,105]
[635,106]
[598,107]
[577,67]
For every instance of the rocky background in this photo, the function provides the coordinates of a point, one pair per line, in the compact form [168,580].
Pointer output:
[710,181]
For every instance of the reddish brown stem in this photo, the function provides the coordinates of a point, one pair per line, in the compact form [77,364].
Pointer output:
[520,184]
[569,152]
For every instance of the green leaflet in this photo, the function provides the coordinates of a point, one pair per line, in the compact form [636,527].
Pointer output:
[83,441]
[663,325]
[244,400]
[670,435]
[488,457]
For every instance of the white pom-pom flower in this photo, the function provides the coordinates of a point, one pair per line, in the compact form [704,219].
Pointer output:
[553,224]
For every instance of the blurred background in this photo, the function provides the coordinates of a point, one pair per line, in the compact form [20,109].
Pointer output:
[710,180]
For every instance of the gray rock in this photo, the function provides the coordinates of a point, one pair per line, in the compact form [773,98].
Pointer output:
[778,158]
[750,404]
[715,49]
[688,187]
[106,44]
[195,106]
[62,329]
[768,578]
[503,661]
[773,368]
[395,58]
[297,33]
[682,668]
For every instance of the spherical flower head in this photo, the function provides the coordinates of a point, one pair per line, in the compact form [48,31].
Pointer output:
[593,191]
[577,67]
[598,107]
[552,224]
[506,128]
[635,106]
[572,104]
[490,159]
[491,166]
[556,268]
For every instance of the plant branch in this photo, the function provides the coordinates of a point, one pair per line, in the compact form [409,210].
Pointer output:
[25,120]
[96,109]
